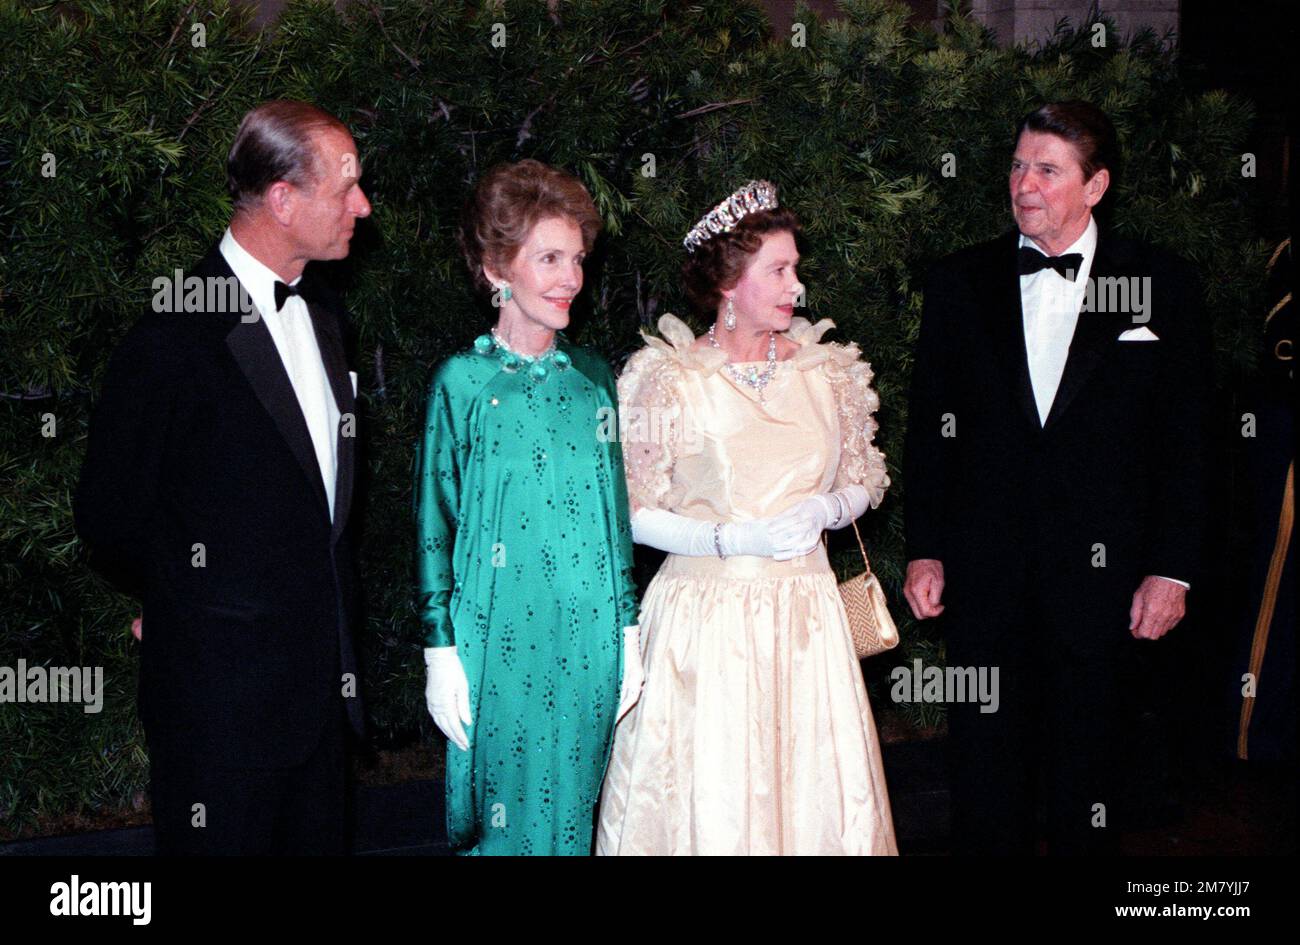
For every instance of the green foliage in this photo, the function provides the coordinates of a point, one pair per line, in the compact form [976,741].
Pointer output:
[853,126]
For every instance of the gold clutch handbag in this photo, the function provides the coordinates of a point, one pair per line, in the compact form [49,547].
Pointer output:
[871,626]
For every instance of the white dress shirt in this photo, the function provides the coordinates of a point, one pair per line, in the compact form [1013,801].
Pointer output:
[295,339]
[1049,304]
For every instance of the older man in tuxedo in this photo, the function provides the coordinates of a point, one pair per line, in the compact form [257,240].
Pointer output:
[217,487]
[1055,475]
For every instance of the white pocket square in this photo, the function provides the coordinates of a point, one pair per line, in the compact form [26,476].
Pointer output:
[353,375]
[1138,334]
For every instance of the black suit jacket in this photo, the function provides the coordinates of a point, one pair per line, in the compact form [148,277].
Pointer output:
[1119,465]
[198,447]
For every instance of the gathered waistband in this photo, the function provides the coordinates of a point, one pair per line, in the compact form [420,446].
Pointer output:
[746,567]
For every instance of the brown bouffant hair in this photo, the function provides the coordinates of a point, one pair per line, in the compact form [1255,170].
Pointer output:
[508,202]
[720,261]
[274,143]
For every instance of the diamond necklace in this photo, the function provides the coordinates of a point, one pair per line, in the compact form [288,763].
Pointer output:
[751,376]
[519,354]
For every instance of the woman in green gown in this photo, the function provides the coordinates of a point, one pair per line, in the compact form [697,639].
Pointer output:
[524,547]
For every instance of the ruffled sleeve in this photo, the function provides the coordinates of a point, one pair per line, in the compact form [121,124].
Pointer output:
[650,419]
[651,413]
[856,402]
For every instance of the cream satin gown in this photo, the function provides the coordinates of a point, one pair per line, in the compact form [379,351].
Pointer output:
[753,734]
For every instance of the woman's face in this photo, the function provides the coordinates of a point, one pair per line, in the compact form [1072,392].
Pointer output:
[545,274]
[765,295]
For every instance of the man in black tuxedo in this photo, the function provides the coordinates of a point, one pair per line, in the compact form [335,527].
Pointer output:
[217,485]
[1055,475]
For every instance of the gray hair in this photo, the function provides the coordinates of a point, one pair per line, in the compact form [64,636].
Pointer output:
[274,143]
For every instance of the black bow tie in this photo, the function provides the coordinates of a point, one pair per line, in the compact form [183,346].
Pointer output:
[1031,260]
[282,292]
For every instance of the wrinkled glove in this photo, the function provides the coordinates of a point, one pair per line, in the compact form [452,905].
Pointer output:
[633,671]
[755,537]
[682,535]
[446,693]
[853,501]
[797,530]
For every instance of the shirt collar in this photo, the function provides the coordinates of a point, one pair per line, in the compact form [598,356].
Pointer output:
[1085,245]
[256,277]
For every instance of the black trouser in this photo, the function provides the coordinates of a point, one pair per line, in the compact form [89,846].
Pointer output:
[301,810]
[1058,722]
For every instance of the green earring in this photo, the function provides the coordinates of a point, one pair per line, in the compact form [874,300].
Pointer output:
[505,292]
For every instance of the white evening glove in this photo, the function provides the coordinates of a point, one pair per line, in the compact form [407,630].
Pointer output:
[446,693]
[797,530]
[856,500]
[633,671]
[682,535]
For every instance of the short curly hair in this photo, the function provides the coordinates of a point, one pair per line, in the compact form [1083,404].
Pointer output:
[508,202]
[719,262]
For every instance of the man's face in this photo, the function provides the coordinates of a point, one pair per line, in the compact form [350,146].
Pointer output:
[325,212]
[1049,197]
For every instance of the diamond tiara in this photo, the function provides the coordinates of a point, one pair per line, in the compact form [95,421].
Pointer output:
[750,198]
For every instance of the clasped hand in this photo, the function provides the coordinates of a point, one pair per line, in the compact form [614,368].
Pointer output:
[797,530]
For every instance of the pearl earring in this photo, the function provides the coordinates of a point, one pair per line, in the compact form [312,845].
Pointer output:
[729,320]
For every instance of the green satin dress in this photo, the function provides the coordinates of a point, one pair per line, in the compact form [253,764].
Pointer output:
[525,565]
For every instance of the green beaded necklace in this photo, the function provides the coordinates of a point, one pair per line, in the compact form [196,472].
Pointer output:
[536,366]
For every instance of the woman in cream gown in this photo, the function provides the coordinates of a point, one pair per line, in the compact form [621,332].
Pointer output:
[753,734]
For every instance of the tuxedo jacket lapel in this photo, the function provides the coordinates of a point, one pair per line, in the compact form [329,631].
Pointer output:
[254,350]
[258,358]
[330,341]
[1006,323]
[1094,335]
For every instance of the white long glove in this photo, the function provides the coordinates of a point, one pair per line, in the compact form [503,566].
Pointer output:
[854,500]
[446,693]
[793,533]
[633,671]
[800,527]
[682,535]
